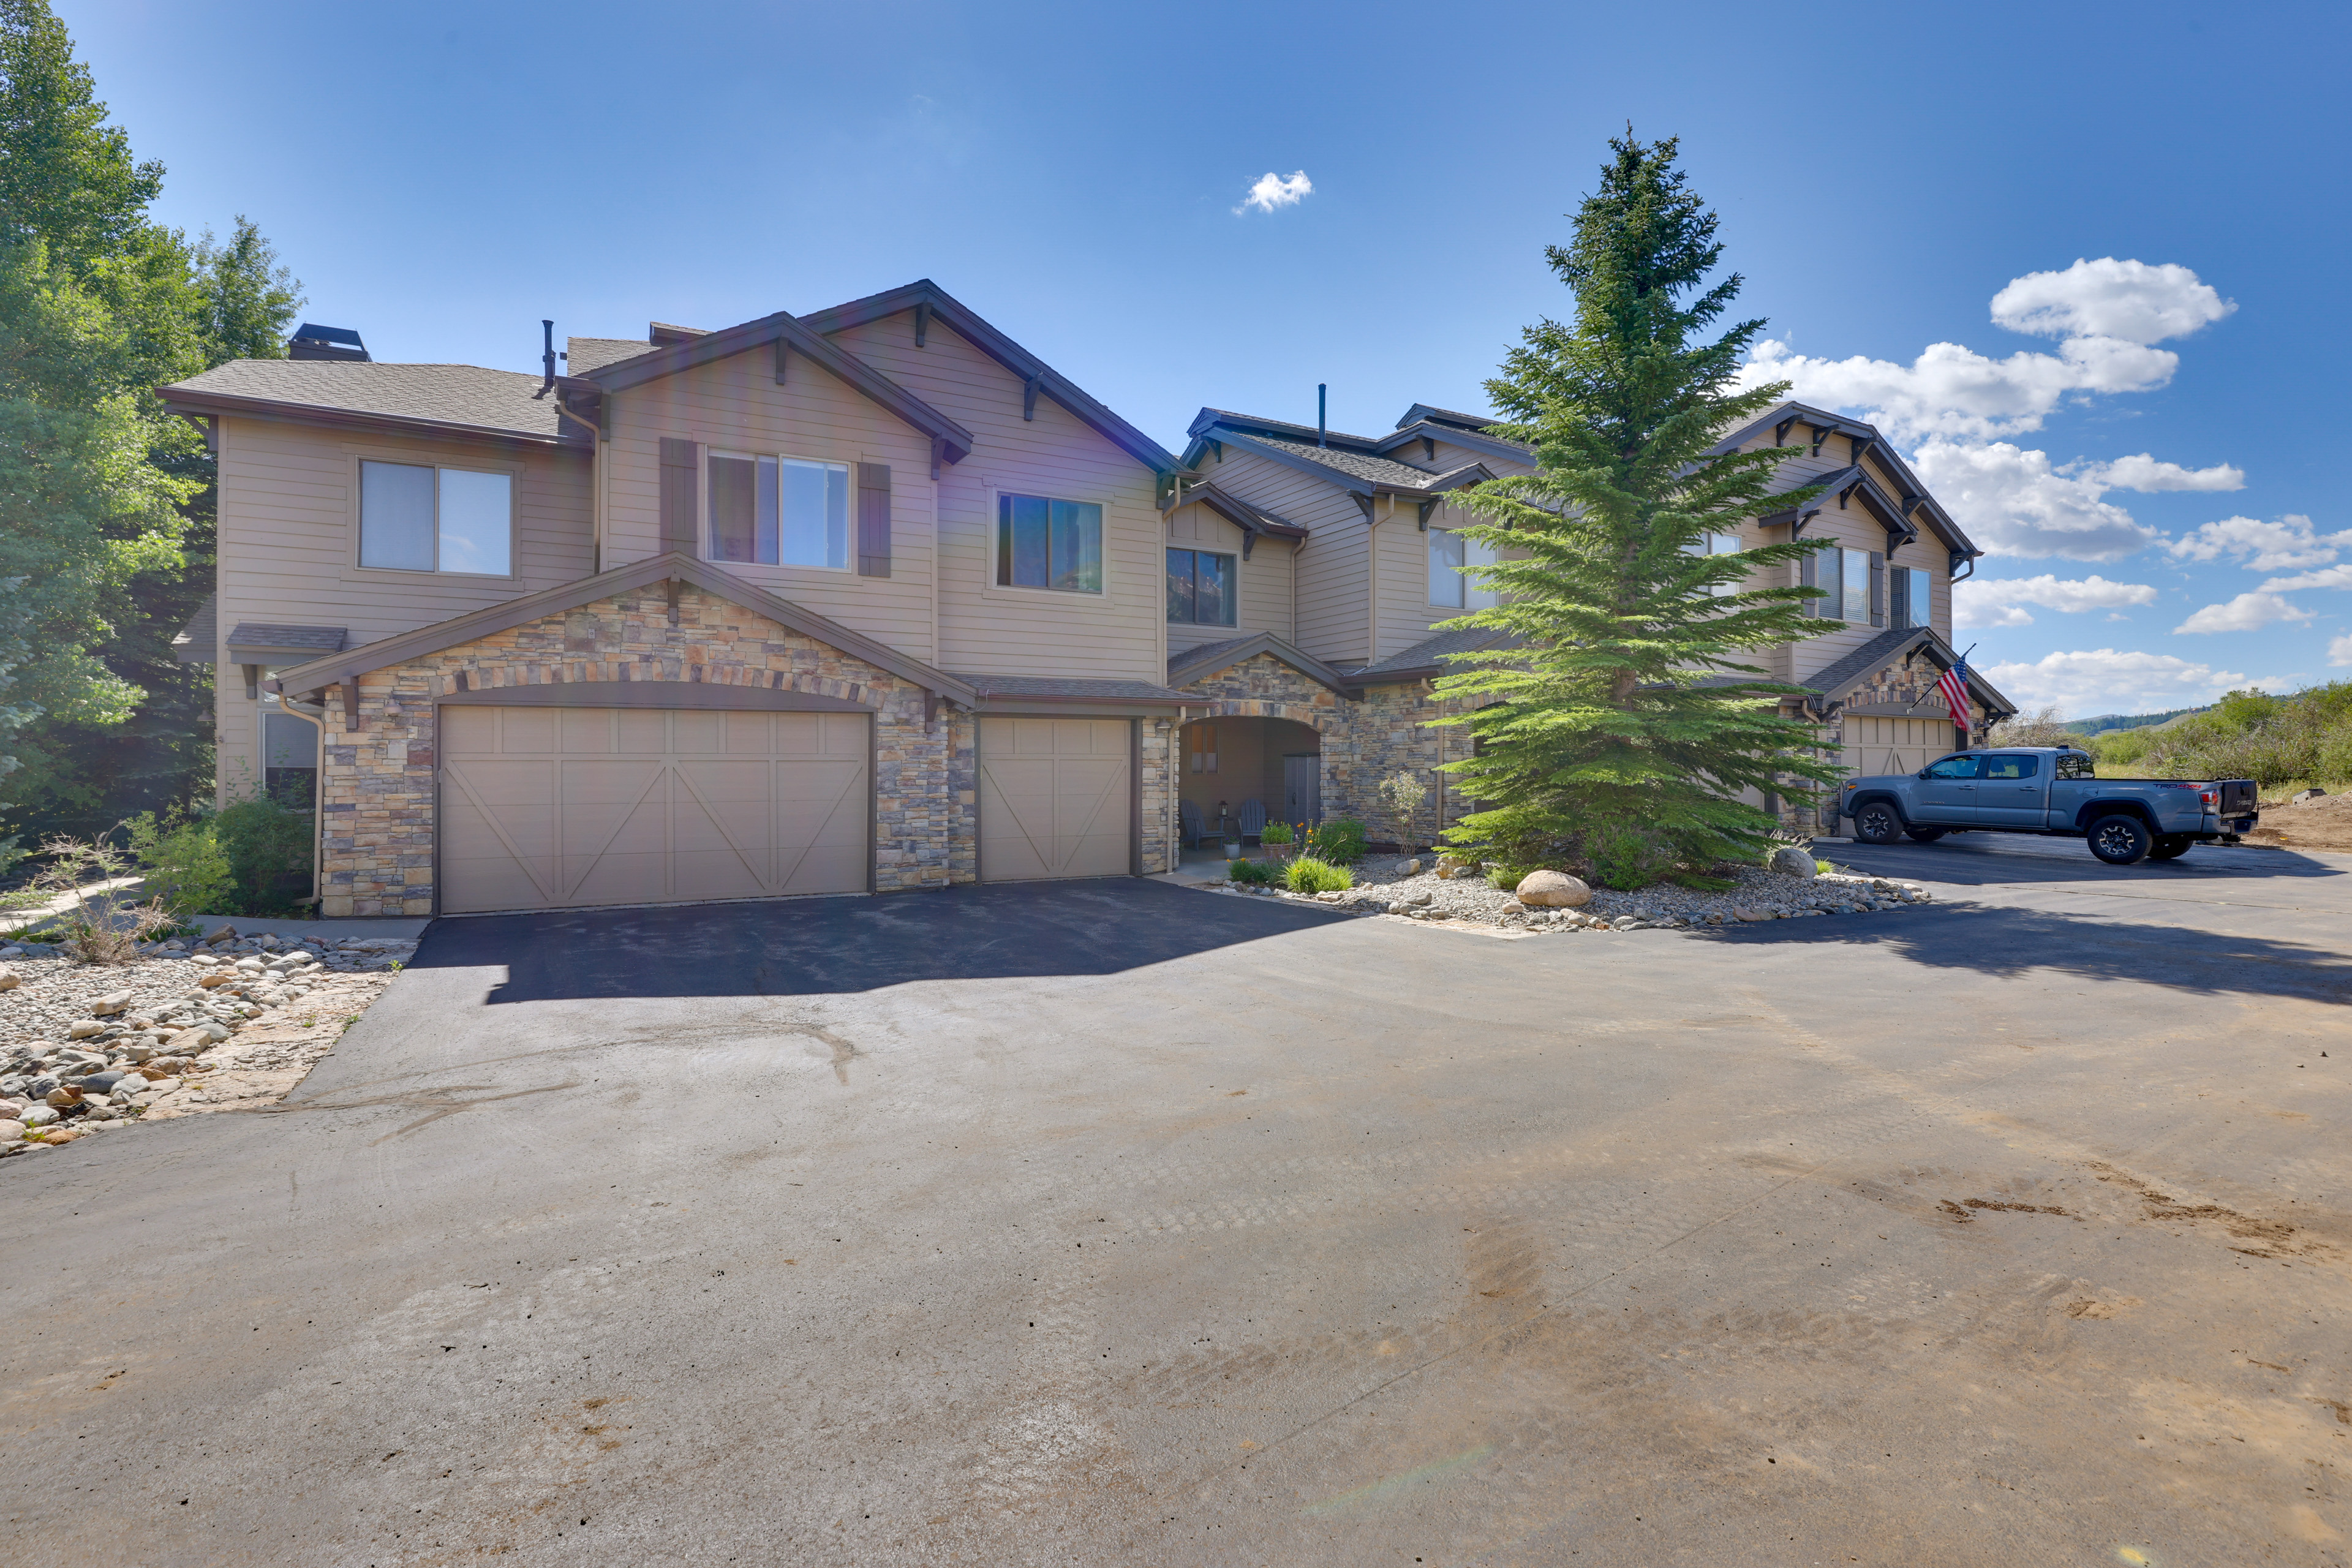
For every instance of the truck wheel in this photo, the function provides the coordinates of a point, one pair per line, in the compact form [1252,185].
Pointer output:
[1925,835]
[2171,847]
[2120,840]
[1877,824]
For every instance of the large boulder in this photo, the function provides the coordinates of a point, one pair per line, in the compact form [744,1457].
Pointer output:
[1792,861]
[1556,890]
[2305,798]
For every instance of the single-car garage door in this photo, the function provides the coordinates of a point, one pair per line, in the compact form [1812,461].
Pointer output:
[560,807]
[1054,798]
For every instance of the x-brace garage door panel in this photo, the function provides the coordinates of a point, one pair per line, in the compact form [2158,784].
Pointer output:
[563,807]
[1053,799]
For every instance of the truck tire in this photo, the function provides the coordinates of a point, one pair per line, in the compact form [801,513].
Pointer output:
[1877,824]
[1925,835]
[2171,847]
[2121,840]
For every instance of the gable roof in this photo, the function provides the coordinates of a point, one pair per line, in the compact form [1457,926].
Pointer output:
[969,325]
[1427,658]
[1836,489]
[1361,473]
[198,642]
[429,399]
[1822,426]
[352,663]
[1421,412]
[1833,680]
[1251,519]
[1440,430]
[582,355]
[669,359]
[1207,658]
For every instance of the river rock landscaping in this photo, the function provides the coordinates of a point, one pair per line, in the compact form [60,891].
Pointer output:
[1411,887]
[222,1024]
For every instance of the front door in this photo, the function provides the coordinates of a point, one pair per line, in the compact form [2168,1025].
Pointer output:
[1302,788]
[1946,793]
[2010,793]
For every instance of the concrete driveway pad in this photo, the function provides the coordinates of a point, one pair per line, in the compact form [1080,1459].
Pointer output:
[1116,1222]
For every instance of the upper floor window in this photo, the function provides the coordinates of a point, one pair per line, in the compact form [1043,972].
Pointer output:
[1046,543]
[1200,588]
[1716,544]
[1448,588]
[1844,575]
[779,512]
[1910,593]
[414,518]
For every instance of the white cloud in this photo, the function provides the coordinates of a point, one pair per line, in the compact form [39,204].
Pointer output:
[2109,681]
[2246,612]
[2280,546]
[1950,390]
[2339,650]
[2147,475]
[2014,502]
[2110,299]
[2329,577]
[1990,602]
[1273,190]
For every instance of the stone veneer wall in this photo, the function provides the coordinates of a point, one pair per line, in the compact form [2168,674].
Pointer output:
[377,783]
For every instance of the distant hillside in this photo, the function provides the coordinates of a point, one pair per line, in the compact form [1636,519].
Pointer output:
[2106,721]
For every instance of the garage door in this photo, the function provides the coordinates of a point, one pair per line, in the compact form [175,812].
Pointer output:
[561,807]
[1895,745]
[1053,799]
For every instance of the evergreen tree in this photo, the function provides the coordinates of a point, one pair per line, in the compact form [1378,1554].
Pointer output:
[1625,720]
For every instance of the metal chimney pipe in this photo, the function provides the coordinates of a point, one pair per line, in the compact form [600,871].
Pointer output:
[1321,437]
[547,357]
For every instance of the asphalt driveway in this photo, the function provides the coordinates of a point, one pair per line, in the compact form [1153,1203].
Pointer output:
[1123,1223]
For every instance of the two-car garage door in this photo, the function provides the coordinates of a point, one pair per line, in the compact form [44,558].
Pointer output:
[567,807]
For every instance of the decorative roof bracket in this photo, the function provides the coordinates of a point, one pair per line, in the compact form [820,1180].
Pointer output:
[1029,394]
[922,322]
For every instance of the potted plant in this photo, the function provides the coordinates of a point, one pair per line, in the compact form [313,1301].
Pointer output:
[1277,840]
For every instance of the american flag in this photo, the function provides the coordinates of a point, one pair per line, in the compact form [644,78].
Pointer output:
[1955,688]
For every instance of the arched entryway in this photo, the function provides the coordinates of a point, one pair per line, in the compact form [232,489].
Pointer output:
[1225,762]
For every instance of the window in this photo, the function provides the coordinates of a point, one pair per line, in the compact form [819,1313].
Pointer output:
[418,518]
[1716,544]
[1200,588]
[1829,575]
[2011,767]
[1044,543]
[2074,765]
[1448,588]
[779,512]
[289,758]
[1911,592]
[1855,599]
[1960,767]
[1204,747]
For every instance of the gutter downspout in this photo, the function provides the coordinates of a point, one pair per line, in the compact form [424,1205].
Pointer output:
[318,716]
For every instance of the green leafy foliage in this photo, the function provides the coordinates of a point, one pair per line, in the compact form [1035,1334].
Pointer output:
[1628,703]
[1339,840]
[186,867]
[1252,873]
[1275,833]
[269,848]
[2304,737]
[1309,875]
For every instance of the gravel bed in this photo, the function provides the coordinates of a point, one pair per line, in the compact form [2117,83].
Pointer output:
[1412,888]
[87,1048]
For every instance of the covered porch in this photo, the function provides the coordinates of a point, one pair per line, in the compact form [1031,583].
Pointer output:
[1235,774]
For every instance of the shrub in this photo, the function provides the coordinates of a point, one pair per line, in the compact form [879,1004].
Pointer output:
[268,849]
[1277,833]
[1339,841]
[1626,858]
[1308,875]
[1506,878]
[1251,873]
[96,929]
[187,869]
[1402,795]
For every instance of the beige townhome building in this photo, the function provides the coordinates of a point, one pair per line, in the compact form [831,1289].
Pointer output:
[864,600]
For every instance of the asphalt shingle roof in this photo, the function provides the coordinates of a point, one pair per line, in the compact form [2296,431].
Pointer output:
[582,355]
[1062,687]
[1362,465]
[264,634]
[443,394]
[1831,679]
[1429,653]
[198,642]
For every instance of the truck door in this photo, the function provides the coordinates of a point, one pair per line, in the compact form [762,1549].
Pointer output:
[2011,793]
[1947,792]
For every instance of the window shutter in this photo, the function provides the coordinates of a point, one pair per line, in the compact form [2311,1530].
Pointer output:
[1877,589]
[680,499]
[1899,596]
[873,520]
[1805,580]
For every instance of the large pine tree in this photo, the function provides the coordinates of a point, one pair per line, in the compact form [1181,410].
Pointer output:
[1626,718]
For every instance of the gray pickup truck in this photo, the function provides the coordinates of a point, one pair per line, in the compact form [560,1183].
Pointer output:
[2049,790]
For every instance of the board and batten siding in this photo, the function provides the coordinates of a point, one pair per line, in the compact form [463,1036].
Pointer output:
[734,404]
[1333,584]
[985,630]
[1265,580]
[289,546]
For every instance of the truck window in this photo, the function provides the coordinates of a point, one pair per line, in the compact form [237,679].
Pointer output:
[2074,765]
[1954,768]
[2011,767]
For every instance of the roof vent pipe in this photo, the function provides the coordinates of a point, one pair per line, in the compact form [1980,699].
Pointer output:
[1322,437]
[547,357]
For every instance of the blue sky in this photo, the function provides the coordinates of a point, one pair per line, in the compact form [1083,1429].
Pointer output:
[441,176]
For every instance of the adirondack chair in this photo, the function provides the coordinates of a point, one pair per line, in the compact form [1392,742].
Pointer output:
[1252,818]
[1188,818]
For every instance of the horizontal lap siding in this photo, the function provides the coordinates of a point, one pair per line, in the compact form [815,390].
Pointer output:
[1331,587]
[1406,614]
[735,404]
[1266,578]
[984,629]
